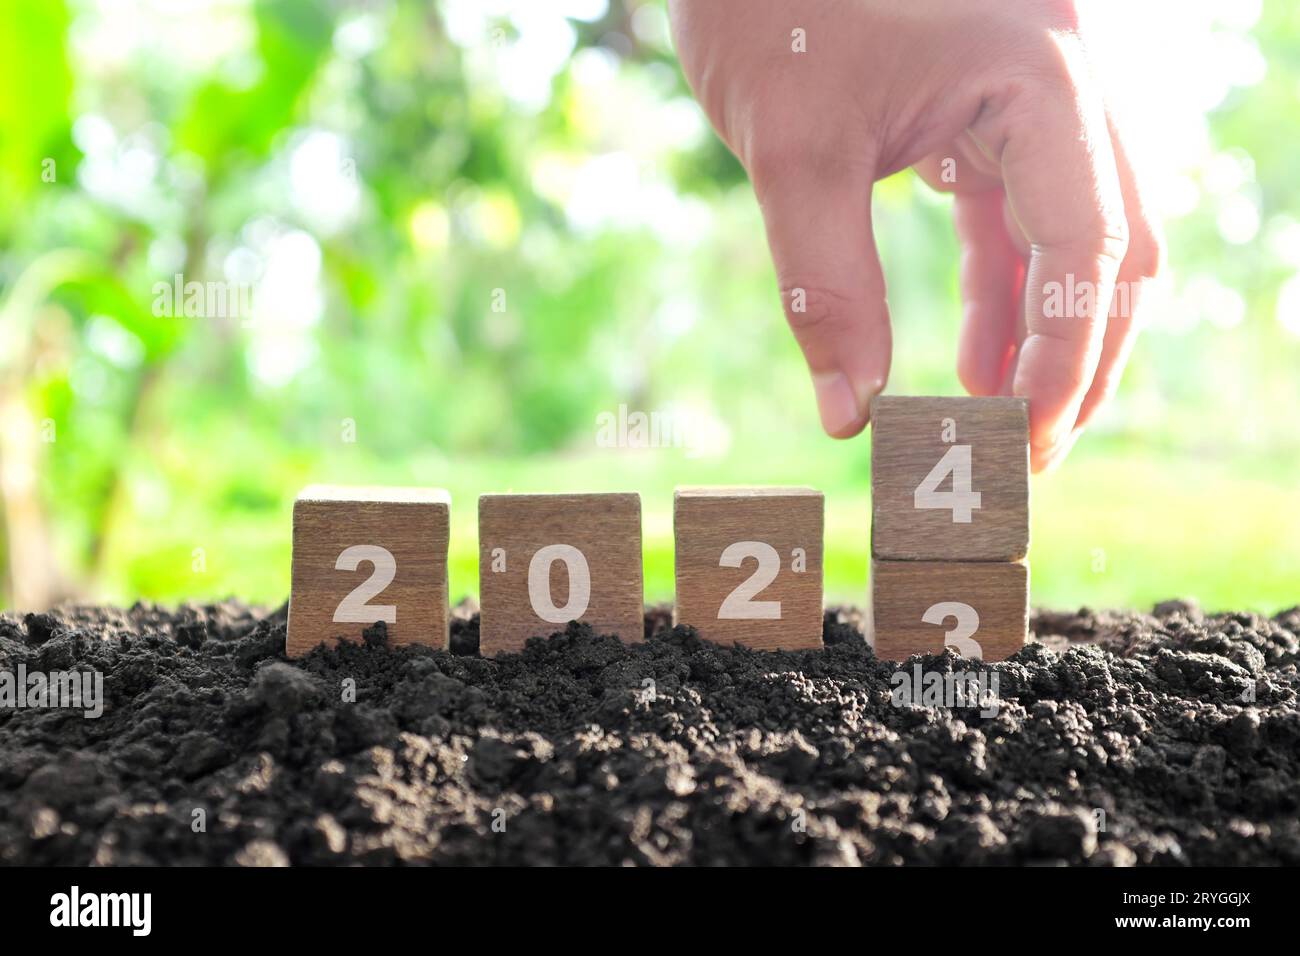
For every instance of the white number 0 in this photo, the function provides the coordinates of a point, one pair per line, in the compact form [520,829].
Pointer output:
[968,622]
[539,583]
[961,500]
[353,609]
[740,604]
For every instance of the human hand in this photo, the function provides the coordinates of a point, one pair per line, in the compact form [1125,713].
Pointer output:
[994,100]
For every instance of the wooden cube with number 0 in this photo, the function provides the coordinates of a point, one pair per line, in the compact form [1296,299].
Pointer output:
[366,554]
[548,559]
[949,479]
[978,608]
[749,565]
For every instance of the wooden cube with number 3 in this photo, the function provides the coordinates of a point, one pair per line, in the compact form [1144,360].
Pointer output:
[949,479]
[978,608]
[749,565]
[546,560]
[363,555]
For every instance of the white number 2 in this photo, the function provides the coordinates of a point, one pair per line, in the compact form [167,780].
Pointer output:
[353,609]
[959,638]
[740,604]
[539,583]
[961,500]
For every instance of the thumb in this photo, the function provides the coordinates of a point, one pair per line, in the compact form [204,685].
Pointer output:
[818,221]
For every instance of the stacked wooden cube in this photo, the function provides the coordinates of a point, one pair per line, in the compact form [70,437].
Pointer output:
[949,526]
[947,564]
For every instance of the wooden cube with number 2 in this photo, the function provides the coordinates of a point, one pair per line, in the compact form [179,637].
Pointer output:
[749,565]
[363,555]
[546,560]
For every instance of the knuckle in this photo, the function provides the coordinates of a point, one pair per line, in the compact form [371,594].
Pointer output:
[813,310]
[1146,252]
[780,159]
[794,143]
[1076,331]
[1106,240]
[771,161]
[1112,245]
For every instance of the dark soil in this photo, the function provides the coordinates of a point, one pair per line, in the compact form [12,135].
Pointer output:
[582,750]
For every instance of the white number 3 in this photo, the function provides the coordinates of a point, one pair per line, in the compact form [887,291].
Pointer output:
[959,638]
[353,609]
[961,500]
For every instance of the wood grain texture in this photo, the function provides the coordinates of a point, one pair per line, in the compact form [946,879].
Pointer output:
[605,528]
[412,524]
[706,521]
[903,591]
[907,441]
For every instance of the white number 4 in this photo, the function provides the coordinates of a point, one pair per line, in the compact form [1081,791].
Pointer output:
[961,500]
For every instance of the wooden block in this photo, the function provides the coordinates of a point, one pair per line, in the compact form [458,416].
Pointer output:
[949,479]
[749,565]
[365,554]
[546,560]
[979,608]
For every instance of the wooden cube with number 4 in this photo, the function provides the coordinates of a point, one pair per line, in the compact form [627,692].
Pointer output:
[363,555]
[949,479]
[978,608]
[749,565]
[546,560]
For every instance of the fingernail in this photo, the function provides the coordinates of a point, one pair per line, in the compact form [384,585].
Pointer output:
[836,402]
[867,395]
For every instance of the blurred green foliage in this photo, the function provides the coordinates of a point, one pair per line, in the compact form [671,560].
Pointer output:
[470,228]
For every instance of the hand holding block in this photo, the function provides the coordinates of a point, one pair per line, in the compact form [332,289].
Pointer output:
[546,560]
[362,555]
[749,565]
[950,479]
[979,608]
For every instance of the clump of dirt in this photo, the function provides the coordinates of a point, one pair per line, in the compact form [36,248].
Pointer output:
[1117,738]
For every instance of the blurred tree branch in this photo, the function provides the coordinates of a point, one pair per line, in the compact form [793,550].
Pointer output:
[33,580]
